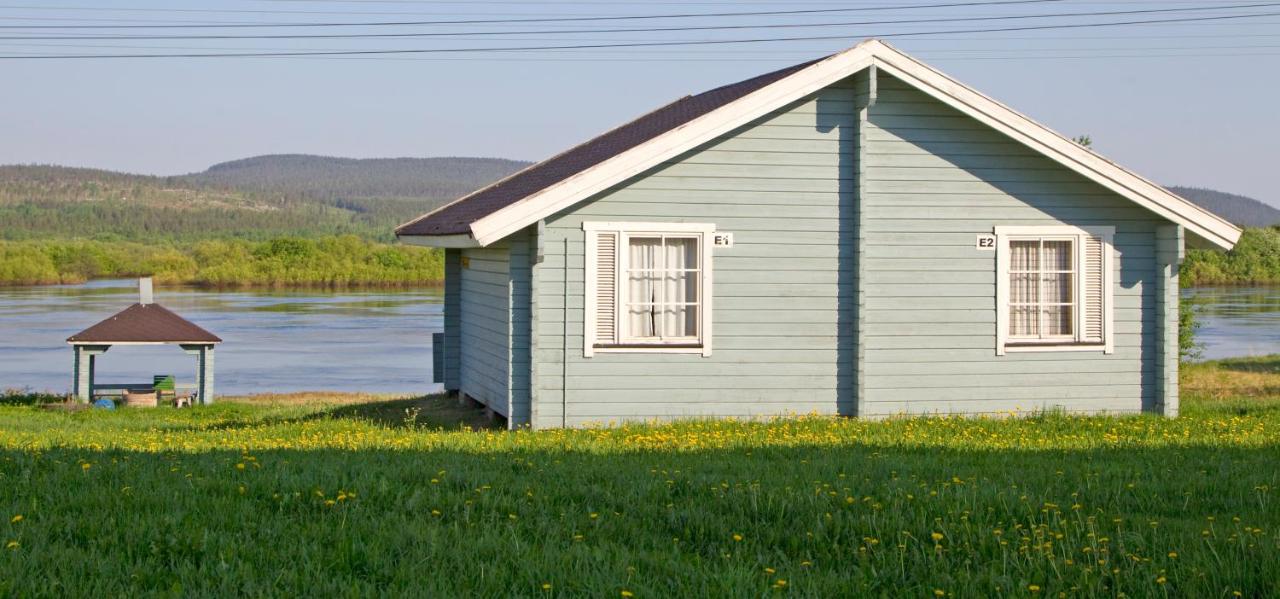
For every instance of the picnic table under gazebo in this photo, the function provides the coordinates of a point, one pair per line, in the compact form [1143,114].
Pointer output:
[143,323]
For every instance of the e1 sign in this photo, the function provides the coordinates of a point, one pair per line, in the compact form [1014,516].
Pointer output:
[986,242]
[722,240]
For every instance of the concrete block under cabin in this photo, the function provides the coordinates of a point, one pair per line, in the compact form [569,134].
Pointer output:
[143,323]
[859,235]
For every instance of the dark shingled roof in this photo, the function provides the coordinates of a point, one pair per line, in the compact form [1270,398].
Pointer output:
[144,323]
[456,218]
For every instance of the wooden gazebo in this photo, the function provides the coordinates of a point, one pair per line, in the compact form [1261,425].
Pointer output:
[143,323]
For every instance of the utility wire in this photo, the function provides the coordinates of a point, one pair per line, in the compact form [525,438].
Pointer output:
[641,30]
[529,20]
[634,44]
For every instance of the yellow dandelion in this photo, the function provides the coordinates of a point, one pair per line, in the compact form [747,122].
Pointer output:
[11,545]
[939,593]
[240,466]
[1034,588]
[328,502]
[1173,555]
[16,519]
[626,593]
[546,586]
[937,537]
[737,537]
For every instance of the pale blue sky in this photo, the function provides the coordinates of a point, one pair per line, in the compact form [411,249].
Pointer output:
[1188,103]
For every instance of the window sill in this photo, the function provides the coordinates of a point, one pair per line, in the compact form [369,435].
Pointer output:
[649,349]
[1013,348]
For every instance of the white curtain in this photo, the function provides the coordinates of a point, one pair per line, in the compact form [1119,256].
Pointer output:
[1024,288]
[662,279]
[1058,285]
[642,288]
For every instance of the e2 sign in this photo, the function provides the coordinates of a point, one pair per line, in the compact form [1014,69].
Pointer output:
[986,242]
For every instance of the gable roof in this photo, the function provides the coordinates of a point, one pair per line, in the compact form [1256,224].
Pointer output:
[455,218]
[144,323]
[494,212]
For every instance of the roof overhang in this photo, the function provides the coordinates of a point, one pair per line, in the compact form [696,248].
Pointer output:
[500,223]
[69,342]
[440,241]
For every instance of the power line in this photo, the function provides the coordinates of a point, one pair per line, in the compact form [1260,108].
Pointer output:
[640,30]
[633,44]
[531,20]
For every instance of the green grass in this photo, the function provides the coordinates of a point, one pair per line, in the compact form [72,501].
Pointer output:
[409,497]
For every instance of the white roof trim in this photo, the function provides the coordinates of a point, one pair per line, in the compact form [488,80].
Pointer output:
[1122,181]
[707,127]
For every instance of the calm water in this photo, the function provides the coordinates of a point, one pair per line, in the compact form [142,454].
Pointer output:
[375,341]
[273,341]
[1238,321]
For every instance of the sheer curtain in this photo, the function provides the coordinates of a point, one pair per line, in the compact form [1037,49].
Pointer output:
[1058,286]
[1024,288]
[642,289]
[662,288]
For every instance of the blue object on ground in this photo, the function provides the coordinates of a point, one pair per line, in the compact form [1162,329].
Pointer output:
[105,404]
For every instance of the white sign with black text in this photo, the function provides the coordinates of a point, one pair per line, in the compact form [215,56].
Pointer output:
[722,240]
[986,242]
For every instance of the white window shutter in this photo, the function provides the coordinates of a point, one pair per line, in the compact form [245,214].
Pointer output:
[1094,274]
[602,289]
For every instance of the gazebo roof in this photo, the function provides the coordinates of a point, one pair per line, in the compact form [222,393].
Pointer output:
[144,323]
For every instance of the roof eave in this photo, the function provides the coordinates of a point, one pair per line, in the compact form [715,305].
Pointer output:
[455,241]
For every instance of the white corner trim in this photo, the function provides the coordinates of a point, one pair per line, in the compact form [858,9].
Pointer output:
[440,241]
[600,177]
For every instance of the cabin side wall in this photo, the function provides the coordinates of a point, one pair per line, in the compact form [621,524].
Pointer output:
[485,325]
[935,179]
[782,298]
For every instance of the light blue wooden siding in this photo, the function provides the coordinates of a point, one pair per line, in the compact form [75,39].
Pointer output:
[523,250]
[934,180]
[452,319]
[485,321]
[783,297]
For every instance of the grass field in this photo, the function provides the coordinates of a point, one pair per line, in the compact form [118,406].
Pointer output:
[370,496]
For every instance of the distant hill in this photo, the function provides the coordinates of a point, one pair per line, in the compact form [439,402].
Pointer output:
[253,198]
[1241,210]
[334,179]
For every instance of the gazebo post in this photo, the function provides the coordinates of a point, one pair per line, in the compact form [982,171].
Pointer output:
[84,367]
[204,370]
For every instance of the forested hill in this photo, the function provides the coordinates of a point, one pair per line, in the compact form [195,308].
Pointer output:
[334,179]
[255,198]
[1241,210]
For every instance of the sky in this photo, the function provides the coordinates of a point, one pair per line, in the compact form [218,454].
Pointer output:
[1183,102]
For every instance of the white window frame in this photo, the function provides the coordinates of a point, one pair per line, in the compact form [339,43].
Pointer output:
[1074,342]
[702,232]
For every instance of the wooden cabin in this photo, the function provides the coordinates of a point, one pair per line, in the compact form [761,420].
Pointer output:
[857,235]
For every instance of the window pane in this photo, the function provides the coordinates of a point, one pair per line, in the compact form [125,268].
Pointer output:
[1056,255]
[1058,320]
[642,287]
[680,321]
[1024,288]
[1024,321]
[1022,255]
[645,253]
[1057,288]
[681,253]
[642,321]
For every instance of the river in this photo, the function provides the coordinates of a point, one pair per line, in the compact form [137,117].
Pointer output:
[371,341]
[273,341]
